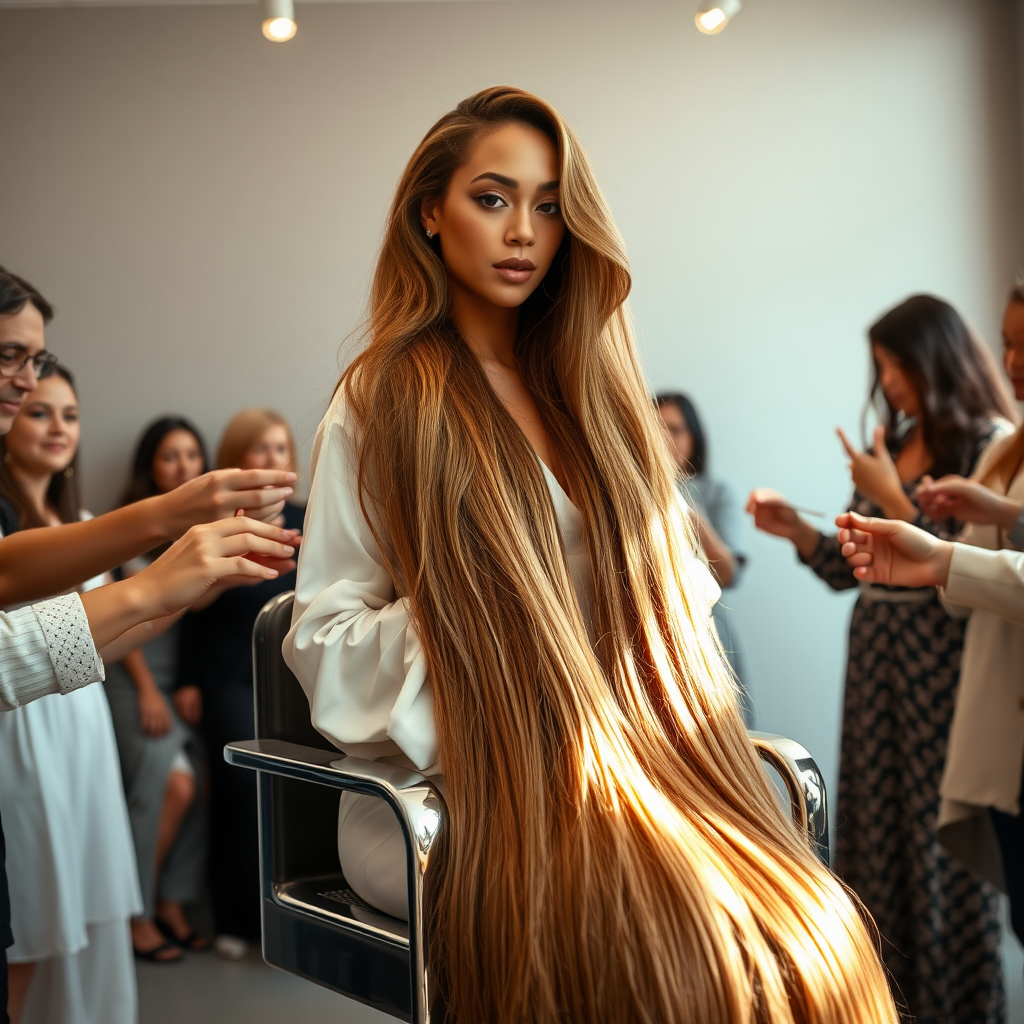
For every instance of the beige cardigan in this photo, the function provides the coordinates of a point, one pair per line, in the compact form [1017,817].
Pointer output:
[986,740]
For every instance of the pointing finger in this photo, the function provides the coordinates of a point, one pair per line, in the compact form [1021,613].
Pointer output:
[850,450]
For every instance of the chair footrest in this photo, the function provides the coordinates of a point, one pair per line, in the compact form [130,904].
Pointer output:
[330,900]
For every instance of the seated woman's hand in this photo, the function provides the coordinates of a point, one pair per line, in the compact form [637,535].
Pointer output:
[189,702]
[892,552]
[154,712]
[966,500]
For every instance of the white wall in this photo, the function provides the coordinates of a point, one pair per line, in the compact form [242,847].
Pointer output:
[203,207]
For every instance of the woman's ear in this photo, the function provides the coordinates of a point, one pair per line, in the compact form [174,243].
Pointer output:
[429,209]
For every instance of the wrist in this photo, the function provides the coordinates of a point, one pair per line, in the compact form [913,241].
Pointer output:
[941,561]
[162,519]
[806,539]
[1009,513]
[899,506]
[141,600]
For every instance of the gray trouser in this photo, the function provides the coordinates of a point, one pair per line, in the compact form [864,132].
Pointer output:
[145,765]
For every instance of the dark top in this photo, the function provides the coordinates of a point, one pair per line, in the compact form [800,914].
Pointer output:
[216,643]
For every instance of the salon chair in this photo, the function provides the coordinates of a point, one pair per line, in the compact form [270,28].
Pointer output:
[314,925]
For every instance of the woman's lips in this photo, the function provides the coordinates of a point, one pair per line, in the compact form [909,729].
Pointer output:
[515,269]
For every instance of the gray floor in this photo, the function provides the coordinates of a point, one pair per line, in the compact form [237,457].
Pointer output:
[207,990]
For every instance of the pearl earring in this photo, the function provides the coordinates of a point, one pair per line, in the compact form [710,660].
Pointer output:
[69,472]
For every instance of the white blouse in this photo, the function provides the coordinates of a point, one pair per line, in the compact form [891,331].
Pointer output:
[352,645]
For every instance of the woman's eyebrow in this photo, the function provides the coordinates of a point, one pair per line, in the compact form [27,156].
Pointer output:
[504,179]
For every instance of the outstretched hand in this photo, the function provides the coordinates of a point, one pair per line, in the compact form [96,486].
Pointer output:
[967,500]
[229,552]
[892,552]
[260,493]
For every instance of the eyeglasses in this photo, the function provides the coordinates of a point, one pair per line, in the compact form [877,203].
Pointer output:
[14,359]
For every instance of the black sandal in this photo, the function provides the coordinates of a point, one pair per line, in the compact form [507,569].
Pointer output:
[154,957]
[192,943]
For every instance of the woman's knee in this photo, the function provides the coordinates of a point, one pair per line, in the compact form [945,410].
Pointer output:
[181,790]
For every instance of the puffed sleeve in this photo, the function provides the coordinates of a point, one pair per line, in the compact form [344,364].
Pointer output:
[352,645]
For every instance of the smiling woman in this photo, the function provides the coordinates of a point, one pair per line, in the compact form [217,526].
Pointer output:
[42,485]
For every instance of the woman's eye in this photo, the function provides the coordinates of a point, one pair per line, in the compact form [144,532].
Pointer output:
[551,209]
[490,201]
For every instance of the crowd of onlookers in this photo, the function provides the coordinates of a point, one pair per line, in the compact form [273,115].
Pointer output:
[117,804]
[928,808]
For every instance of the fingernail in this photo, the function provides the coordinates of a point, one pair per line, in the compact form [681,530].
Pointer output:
[273,573]
[293,476]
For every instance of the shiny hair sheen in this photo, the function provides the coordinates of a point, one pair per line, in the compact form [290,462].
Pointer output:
[613,851]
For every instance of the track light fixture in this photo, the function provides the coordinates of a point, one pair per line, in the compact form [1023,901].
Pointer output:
[713,15]
[279,20]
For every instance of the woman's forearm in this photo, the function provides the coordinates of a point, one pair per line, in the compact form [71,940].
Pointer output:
[129,642]
[37,563]
[116,608]
[720,557]
[806,539]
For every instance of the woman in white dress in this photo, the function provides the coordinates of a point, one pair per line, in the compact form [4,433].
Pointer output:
[498,584]
[70,859]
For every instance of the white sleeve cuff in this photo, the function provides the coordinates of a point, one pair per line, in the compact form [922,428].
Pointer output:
[76,662]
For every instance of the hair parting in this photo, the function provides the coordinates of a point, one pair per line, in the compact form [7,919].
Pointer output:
[613,850]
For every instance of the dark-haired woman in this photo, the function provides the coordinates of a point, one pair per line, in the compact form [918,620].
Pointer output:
[718,514]
[161,758]
[70,861]
[940,403]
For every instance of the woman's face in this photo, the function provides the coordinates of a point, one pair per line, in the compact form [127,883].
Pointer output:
[897,387]
[500,223]
[1013,347]
[680,438]
[273,450]
[44,436]
[177,460]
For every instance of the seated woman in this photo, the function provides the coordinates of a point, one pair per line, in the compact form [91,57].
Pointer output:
[161,756]
[718,515]
[498,583]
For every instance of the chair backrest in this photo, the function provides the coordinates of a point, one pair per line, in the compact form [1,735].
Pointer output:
[305,843]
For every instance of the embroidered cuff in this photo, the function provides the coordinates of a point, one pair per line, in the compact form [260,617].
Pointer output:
[76,662]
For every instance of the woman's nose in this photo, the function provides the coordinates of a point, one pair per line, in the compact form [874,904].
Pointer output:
[520,231]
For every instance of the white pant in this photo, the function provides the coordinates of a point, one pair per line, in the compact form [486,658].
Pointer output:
[372,851]
[93,986]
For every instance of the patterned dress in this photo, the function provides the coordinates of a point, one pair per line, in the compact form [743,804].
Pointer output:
[940,927]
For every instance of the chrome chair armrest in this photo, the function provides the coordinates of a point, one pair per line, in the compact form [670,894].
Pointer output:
[415,800]
[804,783]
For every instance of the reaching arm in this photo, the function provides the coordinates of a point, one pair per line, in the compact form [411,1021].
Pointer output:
[36,563]
[720,558]
[51,647]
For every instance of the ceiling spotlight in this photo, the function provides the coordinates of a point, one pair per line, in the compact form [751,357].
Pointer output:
[714,15]
[279,20]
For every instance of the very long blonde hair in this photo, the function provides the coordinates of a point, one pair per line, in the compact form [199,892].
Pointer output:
[613,851]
